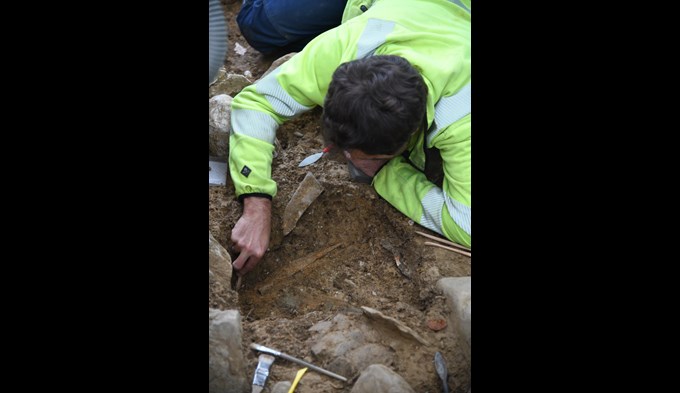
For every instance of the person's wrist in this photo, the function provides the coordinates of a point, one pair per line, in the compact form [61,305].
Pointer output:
[243,197]
[254,202]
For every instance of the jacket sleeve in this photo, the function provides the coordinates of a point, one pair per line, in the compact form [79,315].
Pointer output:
[258,110]
[445,210]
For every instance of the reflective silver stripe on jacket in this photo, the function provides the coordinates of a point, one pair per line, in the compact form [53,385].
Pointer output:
[433,203]
[461,5]
[278,98]
[374,34]
[284,104]
[254,123]
[460,213]
[260,125]
[449,110]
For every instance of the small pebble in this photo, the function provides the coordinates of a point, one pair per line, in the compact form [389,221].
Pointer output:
[436,324]
[350,282]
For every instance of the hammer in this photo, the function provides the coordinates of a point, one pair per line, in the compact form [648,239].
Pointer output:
[263,349]
[264,362]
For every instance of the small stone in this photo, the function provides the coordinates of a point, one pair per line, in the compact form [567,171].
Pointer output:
[322,327]
[282,387]
[240,50]
[350,282]
[436,324]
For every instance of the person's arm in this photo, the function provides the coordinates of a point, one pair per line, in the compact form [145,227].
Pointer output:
[295,87]
[445,210]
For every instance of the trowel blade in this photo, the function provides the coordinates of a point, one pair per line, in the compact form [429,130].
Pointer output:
[311,159]
[440,367]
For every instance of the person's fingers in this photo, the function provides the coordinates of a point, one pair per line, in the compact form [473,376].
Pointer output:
[240,261]
[245,263]
[249,265]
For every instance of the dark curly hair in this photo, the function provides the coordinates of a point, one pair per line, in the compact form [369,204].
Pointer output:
[374,105]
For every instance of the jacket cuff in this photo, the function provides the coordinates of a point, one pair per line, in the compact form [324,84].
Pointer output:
[254,194]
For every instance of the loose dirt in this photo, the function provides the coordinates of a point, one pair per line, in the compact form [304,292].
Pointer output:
[334,260]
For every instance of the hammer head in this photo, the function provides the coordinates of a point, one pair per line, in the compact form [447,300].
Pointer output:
[264,362]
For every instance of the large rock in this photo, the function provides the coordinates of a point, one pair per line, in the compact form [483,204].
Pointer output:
[340,337]
[277,63]
[230,84]
[226,365]
[457,291]
[368,354]
[219,260]
[352,341]
[348,345]
[219,273]
[377,378]
[219,125]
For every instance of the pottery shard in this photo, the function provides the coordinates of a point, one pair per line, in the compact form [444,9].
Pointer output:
[308,190]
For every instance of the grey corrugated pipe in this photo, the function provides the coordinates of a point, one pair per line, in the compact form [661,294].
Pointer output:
[218,38]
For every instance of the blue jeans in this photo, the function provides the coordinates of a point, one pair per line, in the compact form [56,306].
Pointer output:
[283,26]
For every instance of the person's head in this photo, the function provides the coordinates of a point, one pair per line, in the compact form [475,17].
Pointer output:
[374,105]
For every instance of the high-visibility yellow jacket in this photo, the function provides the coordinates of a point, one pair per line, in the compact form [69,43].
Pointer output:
[434,36]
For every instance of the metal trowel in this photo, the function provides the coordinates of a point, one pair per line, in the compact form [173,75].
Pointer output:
[314,157]
[440,366]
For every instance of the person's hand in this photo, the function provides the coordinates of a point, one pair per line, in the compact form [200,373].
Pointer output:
[251,233]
